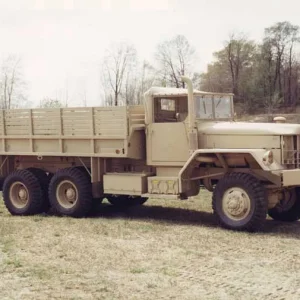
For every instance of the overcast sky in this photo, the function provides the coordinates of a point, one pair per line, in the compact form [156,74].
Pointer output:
[61,42]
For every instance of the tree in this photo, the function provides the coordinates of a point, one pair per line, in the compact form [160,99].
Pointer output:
[50,103]
[12,85]
[239,52]
[116,68]
[217,78]
[262,76]
[233,67]
[146,75]
[147,78]
[130,86]
[279,43]
[232,64]
[174,58]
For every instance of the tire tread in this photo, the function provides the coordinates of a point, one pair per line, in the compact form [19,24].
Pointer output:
[34,188]
[256,191]
[84,190]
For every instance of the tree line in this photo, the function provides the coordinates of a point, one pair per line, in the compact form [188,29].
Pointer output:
[263,76]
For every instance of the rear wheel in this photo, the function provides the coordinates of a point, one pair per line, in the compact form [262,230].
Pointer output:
[239,202]
[44,180]
[96,202]
[288,209]
[22,193]
[126,201]
[70,193]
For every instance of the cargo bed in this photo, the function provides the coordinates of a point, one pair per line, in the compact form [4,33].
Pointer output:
[88,131]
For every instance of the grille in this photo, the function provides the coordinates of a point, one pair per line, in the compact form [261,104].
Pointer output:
[291,151]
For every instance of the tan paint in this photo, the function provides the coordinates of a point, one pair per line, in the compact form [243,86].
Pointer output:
[92,131]
[243,128]
[291,177]
[165,146]
[125,183]
[239,141]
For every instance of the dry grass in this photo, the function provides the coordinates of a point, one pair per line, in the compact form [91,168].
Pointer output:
[163,250]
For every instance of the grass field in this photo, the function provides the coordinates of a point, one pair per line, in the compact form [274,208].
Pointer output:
[163,250]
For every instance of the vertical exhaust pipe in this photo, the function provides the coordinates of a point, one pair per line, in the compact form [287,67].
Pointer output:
[190,101]
[192,132]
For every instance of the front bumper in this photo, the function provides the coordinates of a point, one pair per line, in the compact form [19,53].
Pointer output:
[291,177]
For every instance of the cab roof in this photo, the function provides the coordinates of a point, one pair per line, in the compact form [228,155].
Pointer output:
[167,91]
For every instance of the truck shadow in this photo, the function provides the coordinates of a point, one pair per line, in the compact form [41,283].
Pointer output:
[283,229]
[157,213]
[183,216]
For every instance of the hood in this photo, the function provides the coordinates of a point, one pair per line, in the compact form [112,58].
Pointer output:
[245,128]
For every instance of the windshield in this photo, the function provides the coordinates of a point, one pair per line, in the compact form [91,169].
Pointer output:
[213,107]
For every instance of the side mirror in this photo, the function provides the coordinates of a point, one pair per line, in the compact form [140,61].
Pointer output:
[234,116]
[177,116]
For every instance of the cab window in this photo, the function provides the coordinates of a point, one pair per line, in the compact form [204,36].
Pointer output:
[168,110]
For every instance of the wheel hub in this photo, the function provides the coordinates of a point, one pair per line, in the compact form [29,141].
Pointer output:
[236,203]
[22,194]
[70,193]
[18,195]
[67,194]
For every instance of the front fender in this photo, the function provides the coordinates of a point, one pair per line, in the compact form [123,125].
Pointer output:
[257,155]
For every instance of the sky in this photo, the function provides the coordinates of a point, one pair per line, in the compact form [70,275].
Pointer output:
[62,42]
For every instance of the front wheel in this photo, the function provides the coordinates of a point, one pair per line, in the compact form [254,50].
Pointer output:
[288,209]
[239,202]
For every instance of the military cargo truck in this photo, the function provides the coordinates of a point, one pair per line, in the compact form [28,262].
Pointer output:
[176,142]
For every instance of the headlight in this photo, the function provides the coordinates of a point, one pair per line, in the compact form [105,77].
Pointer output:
[268,158]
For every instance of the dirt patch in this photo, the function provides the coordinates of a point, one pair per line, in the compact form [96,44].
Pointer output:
[163,250]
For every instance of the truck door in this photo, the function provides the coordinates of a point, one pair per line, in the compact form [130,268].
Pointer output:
[167,140]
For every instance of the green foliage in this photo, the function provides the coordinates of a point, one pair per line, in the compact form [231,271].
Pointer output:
[50,103]
[263,76]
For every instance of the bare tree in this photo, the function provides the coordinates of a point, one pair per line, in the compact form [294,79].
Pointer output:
[116,66]
[12,84]
[239,52]
[281,38]
[175,58]
[130,87]
[84,98]
[147,76]
[83,93]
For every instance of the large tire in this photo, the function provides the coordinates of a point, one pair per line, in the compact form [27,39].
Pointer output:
[240,203]
[1,183]
[70,193]
[22,193]
[96,202]
[287,210]
[44,180]
[123,201]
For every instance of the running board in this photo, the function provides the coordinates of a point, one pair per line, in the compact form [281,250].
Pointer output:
[162,196]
